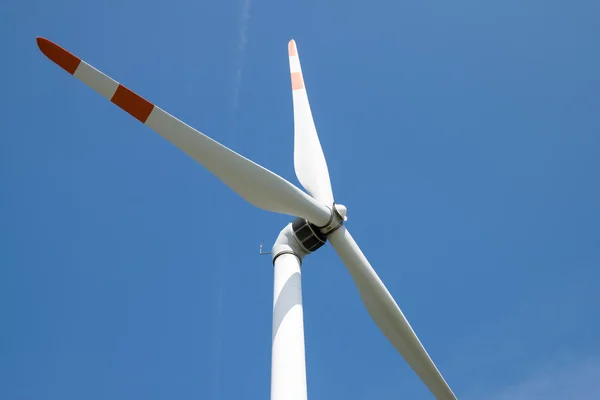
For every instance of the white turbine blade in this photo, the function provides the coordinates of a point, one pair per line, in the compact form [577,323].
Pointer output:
[256,184]
[309,161]
[387,315]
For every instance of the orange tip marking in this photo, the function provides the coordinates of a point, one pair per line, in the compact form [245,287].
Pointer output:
[292,51]
[297,81]
[60,56]
[133,103]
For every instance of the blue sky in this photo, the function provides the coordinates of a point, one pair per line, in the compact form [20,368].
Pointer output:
[463,137]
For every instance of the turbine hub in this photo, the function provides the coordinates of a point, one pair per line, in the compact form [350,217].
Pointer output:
[341,210]
[311,237]
[337,218]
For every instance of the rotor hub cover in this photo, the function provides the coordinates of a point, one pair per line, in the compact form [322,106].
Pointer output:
[310,237]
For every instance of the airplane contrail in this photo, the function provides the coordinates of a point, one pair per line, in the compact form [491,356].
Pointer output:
[222,267]
[241,51]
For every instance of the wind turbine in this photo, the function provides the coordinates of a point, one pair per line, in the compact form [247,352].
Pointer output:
[319,219]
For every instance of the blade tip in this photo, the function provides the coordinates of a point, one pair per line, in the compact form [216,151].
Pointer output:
[58,55]
[43,44]
[292,50]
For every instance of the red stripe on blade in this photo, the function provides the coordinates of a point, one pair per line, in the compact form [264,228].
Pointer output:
[60,56]
[297,81]
[133,103]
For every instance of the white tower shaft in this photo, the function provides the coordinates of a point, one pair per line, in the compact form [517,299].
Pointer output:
[288,363]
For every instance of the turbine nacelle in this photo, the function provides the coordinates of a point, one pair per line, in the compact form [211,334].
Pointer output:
[311,237]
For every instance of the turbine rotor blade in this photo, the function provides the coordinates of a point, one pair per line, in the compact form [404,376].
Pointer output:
[309,160]
[254,183]
[387,315]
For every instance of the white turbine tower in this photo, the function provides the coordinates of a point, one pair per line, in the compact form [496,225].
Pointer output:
[318,219]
